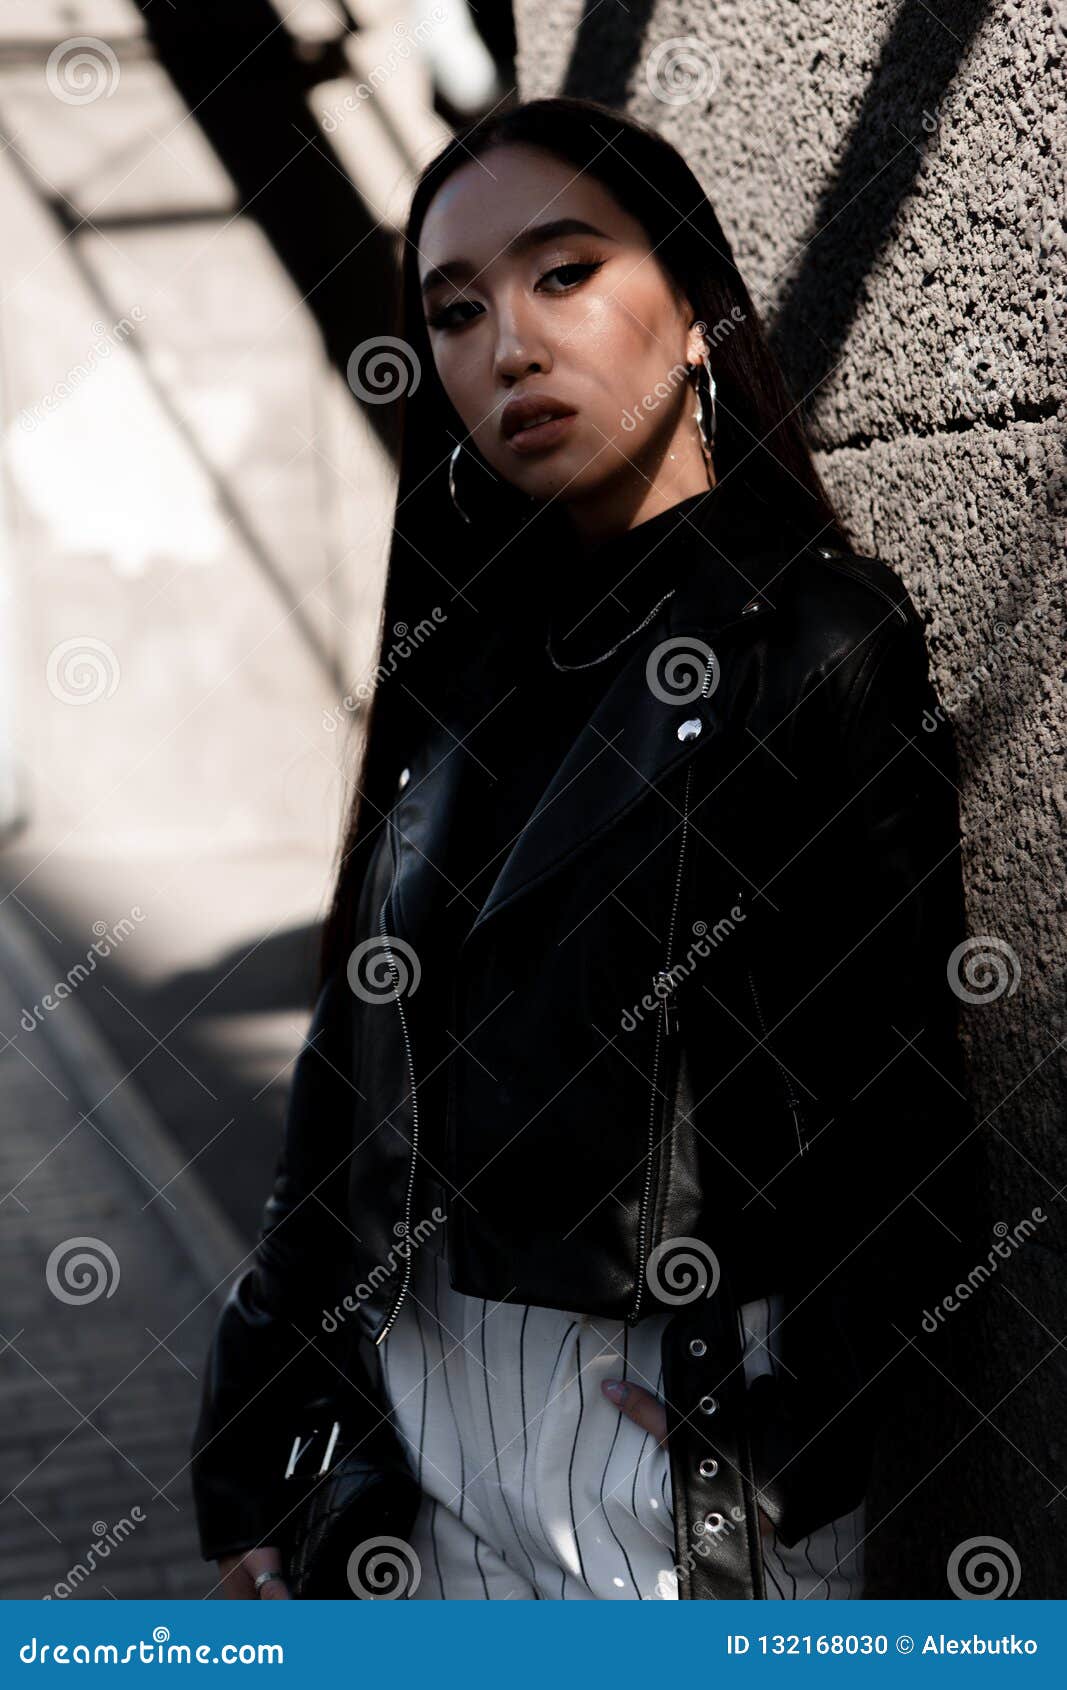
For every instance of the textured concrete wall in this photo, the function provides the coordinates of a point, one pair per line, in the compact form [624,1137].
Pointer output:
[887,174]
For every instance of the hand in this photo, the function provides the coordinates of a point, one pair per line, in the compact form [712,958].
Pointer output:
[648,1412]
[239,1574]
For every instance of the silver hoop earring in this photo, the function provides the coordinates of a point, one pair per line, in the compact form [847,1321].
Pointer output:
[452,462]
[705,412]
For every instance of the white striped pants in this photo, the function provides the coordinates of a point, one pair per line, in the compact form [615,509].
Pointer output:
[535,1486]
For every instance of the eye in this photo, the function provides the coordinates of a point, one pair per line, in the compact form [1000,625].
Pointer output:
[443,319]
[573,275]
[579,271]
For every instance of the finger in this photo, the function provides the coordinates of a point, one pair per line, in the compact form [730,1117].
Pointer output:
[274,1590]
[241,1571]
[267,1560]
[639,1405]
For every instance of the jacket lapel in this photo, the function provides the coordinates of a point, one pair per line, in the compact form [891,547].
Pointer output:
[630,744]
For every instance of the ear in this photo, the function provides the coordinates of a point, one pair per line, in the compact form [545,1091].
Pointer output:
[696,343]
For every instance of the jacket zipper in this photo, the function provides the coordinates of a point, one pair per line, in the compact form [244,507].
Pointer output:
[792,1101]
[383,1334]
[831,553]
[665,986]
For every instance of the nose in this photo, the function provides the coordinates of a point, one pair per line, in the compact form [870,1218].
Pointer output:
[515,362]
[520,349]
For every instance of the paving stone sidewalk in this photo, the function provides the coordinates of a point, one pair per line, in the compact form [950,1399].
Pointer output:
[108,1301]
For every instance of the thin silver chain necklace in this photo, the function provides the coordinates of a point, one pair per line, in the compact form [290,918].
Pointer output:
[592,661]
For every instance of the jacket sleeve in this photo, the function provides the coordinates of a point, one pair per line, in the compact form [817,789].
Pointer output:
[859,958]
[270,1351]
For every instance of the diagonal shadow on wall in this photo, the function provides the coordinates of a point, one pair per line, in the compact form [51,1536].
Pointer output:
[246,86]
[854,218]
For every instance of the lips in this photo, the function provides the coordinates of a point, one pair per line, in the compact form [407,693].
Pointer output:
[530,411]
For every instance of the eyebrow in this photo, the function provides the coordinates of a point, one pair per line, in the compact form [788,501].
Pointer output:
[535,234]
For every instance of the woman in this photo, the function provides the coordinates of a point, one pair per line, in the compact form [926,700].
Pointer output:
[634,1042]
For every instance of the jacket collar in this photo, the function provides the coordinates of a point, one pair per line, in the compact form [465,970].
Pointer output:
[728,583]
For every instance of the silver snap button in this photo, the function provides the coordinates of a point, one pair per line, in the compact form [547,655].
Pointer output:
[690,728]
[708,1467]
[707,1405]
[405,776]
[697,1347]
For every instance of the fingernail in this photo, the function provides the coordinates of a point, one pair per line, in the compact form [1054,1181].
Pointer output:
[616,1389]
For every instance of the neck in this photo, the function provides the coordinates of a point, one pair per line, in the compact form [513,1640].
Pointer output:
[604,591]
[592,523]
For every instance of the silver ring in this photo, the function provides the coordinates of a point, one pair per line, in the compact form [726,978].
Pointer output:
[263,1578]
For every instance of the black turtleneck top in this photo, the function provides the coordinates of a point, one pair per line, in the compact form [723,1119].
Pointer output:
[530,714]
[532,711]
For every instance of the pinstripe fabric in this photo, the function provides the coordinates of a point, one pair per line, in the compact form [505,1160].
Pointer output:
[534,1485]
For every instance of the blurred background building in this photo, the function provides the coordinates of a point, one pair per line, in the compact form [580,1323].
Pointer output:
[202,205]
[201,211]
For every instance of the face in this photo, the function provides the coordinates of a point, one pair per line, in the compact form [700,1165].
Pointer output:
[540,287]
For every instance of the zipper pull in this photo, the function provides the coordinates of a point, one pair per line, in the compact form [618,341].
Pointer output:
[798,1122]
[663,986]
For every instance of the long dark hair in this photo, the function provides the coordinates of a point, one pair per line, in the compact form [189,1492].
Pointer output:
[437,564]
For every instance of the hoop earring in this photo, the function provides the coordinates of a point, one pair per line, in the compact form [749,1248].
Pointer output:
[452,462]
[704,413]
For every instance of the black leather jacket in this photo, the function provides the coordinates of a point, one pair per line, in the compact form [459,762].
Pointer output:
[705,1010]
